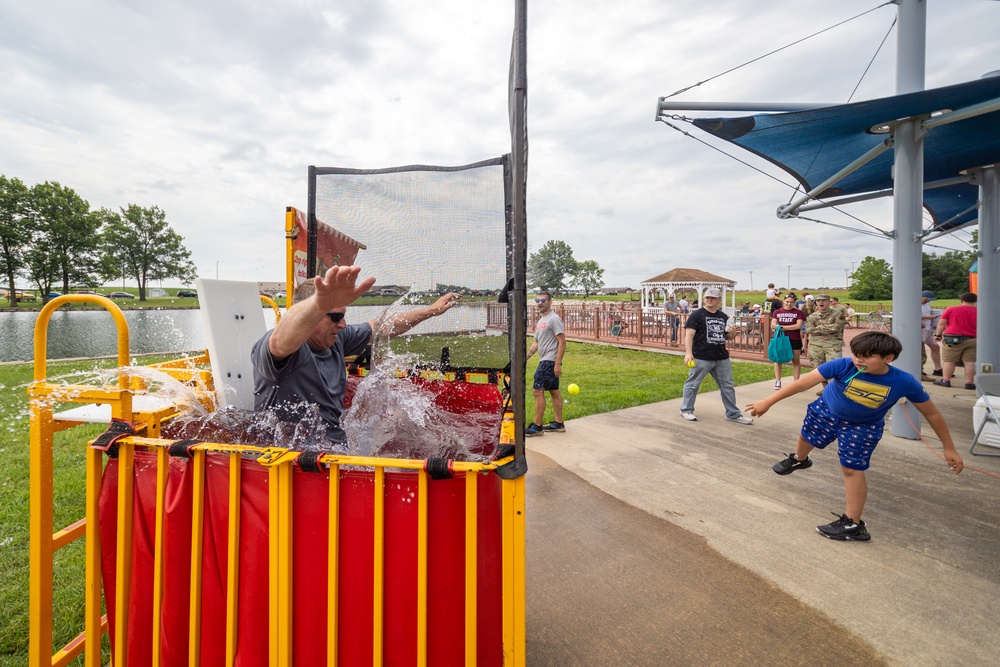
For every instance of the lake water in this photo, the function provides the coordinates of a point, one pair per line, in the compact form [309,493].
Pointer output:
[92,333]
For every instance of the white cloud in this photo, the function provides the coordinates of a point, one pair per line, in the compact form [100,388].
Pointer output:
[213,111]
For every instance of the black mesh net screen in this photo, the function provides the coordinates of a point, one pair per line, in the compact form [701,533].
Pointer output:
[427,231]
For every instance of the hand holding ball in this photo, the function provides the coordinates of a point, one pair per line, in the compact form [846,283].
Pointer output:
[573,389]
[690,364]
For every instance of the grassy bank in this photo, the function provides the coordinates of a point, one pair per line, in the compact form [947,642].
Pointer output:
[609,379]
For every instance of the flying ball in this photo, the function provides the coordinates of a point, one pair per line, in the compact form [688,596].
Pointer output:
[573,389]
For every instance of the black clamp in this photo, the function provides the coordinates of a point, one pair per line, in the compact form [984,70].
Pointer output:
[309,461]
[438,468]
[182,448]
[118,429]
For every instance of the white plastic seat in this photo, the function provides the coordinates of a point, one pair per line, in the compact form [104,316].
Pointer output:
[988,389]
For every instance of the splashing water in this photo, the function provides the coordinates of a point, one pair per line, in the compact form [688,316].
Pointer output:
[402,417]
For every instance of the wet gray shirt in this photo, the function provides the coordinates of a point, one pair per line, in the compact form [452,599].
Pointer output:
[307,377]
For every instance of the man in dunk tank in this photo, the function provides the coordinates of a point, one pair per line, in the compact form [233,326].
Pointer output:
[304,341]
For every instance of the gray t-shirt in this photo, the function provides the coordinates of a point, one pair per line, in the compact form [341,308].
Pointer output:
[548,327]
[307,377]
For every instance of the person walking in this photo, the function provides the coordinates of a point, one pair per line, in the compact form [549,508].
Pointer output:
[825,328]
[927,318]
[957,330]
[706,332]
[791,320]
[852,411]
[673,311]
[550,343]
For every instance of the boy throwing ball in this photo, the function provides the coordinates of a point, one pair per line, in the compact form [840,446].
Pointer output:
[852,411]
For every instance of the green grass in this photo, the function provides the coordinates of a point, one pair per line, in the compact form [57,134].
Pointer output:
[609,379]
[69,486]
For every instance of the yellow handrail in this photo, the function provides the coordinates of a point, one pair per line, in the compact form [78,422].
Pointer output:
[42,326]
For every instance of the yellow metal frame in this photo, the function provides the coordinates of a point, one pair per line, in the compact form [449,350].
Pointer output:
[44,397]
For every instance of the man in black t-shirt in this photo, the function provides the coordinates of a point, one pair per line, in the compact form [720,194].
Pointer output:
[706,332]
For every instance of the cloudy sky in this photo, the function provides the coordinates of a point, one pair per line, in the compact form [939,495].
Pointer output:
[213,111]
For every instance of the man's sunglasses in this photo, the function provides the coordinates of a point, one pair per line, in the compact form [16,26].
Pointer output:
[540,300]
[335,317]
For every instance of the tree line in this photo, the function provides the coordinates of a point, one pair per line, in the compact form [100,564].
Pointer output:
[947,275]
[50,236]
[554,268]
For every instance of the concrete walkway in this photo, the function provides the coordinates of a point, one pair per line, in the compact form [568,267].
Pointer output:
[657,541]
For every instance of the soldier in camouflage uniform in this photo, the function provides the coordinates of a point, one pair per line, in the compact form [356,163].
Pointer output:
[826,332]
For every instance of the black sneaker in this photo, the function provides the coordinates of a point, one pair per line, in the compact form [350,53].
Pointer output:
[938,373]
[557,427]
[845,529]
[942,382]
[534,429]
[791,464]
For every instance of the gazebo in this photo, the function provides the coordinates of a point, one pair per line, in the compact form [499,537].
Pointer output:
[685,279]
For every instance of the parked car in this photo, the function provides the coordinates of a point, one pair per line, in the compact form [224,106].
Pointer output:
[267,294]
[121,295]
[53,295]
[19,296]
[86,291]
[186,293]
[279,295]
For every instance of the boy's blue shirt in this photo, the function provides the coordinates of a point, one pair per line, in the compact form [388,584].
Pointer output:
[866,397]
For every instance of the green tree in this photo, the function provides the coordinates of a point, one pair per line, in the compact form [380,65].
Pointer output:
[947,274]
[65,246]
[872,281]
[15,232]
[140,243]
[588,276]
[551,266]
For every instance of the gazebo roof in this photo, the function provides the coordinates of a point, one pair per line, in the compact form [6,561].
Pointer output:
[688,276]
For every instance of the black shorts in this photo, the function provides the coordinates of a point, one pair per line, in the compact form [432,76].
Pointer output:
[796,344]
[545,376]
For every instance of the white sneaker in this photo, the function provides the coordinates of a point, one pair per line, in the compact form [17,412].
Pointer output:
[689,416]
[777,384]
[739,420]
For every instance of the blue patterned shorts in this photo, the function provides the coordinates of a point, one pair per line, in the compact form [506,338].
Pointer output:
[545,376]
[855,442]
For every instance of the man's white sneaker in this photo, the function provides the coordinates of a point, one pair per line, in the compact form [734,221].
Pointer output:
[689,416]
[740,420]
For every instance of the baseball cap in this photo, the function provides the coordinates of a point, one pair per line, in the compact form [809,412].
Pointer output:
[711,291]
[927,294]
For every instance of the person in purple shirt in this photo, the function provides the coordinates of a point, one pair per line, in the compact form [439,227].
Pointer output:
[851,410]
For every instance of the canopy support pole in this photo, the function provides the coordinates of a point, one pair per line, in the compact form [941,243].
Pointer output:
[908,199]
[988,325]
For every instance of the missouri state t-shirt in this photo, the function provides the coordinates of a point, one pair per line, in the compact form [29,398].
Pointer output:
[786,318]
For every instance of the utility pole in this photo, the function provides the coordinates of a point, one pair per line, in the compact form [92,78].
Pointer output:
[788,278]
[751,281]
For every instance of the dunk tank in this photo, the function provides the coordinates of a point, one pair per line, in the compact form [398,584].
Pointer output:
[216,535]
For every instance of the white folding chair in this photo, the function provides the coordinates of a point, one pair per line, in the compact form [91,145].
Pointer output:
[988,390]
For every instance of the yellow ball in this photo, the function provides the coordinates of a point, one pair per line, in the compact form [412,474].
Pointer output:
[691,364]
[573,389]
